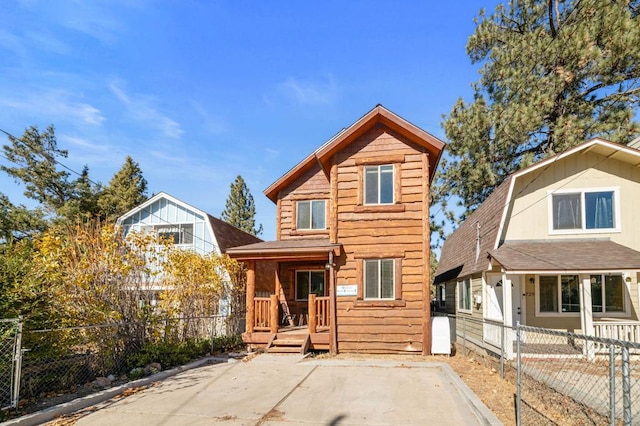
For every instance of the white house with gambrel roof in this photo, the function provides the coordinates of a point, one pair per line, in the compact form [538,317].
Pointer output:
[188,227]
[556,245]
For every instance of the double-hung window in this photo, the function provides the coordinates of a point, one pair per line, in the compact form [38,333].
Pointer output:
[379,279]
[378,184]
[310,215]
[607,293]
[309,282]
[464,295]
[564,289]
[584,210]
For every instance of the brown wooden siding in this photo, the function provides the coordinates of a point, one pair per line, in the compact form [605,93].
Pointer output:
[381,232]
[311,185]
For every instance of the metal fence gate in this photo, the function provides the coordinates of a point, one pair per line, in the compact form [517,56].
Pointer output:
[10,357]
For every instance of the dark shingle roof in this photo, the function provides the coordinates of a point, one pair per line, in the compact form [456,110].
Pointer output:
[458,256]
[566,255]
[229,236]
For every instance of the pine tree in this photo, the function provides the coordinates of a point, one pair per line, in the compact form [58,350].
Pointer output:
[35,159]
[554,74]
[240,211]
[126,190]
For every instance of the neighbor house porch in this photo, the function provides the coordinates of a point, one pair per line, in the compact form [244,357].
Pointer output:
[290,297]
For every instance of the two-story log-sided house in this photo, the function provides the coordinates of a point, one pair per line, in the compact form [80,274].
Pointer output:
[349,270]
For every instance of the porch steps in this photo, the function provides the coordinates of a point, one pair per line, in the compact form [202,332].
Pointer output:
[289,344]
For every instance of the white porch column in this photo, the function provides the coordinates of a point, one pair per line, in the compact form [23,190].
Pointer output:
[509,334]
[586,315]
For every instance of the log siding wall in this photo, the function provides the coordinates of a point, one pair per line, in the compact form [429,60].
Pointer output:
[387,231]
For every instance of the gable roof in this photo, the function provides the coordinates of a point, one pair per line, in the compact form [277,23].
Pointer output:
[379,114]
[459,251]
[224,235]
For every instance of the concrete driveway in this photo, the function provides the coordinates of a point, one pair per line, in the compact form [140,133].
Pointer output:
[289,390]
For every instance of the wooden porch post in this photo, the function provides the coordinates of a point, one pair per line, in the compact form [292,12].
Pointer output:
[251,294]
[313,318]
[278,288]
[586,315]
[273,315]
[333,321]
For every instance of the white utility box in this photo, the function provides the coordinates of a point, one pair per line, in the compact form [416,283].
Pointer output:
[440,336]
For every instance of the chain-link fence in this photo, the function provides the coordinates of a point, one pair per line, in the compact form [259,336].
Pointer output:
[595,381]
[559,377]
[65,363]
[9,357]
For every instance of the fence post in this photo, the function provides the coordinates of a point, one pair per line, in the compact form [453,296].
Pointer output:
[464,336]
[626,386]
[612,384]
[17,375]
[502,351]
[519,377]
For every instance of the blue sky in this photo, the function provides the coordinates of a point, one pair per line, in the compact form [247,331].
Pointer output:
[199,92]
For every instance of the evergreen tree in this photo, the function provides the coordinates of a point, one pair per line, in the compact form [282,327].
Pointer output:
[240,211]
[35,157]
[554,74]
[127,189]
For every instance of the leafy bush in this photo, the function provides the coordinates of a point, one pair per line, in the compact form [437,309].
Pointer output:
[223,344]
[169,354]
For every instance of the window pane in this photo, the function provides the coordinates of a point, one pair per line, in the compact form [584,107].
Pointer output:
[371,279]
[596,293]
[570,293]
[187,233]
[317,283]
[371,185]
[317,215]
[302,285]
[548,294]
[599,210]
[567,211]
[304,215]
[614,295]
[467,294]
[387,277]
[386,184]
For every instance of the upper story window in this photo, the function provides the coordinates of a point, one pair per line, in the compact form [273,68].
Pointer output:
[310,215]
[585,211]
[178,234]
[378,184]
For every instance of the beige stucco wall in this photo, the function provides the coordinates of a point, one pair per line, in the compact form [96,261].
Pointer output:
[529,215]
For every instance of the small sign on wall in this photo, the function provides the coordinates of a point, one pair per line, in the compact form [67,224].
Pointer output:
[347,290]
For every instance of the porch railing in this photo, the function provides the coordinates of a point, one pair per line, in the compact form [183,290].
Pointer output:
[628,331]
[265,313]
[319,314]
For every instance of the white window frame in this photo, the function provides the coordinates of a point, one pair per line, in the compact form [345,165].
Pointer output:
[559,312]
[393,184]
[442,295]
[324,213]
[464,303]
[582,191]
[393,279]
[181,231]
[625,293]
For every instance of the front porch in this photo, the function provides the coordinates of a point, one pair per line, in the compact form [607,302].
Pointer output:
[270,327]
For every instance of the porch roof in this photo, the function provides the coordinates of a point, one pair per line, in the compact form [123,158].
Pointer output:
[588,255]
[294,249]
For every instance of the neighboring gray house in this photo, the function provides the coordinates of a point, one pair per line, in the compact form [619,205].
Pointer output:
[556,245]
[189,228]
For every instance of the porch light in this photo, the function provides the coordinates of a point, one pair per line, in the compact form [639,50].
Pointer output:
[532,280]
